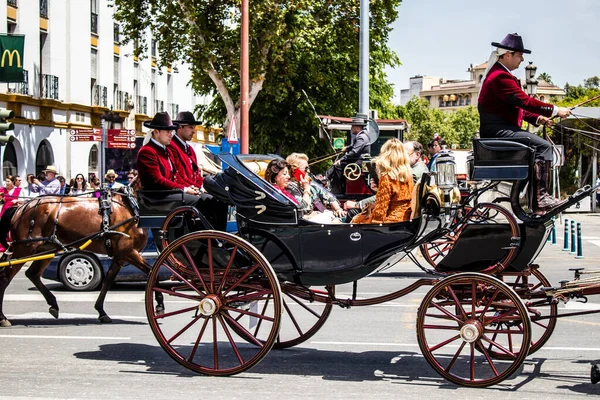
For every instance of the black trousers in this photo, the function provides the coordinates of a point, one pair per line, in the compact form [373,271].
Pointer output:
[543,149]
[212,209]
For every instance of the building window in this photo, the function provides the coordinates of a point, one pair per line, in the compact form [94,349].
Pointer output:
[93,158]
[9,161]
[153,48]
[468,100]
[43,157]
[116,33]
[44,9]
[441,101]
[480,78]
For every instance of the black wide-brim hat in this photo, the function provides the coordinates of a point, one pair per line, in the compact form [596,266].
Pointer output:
[161,121]
[512,42]
[186,118]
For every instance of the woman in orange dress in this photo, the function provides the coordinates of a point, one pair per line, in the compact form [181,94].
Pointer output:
[395,189]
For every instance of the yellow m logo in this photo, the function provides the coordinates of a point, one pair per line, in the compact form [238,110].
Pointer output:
[11,54]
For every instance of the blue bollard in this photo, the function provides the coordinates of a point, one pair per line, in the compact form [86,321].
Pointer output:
[573,243]
[566,241]
[579,246]
[553,230]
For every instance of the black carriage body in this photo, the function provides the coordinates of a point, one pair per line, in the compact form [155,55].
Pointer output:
[299,250]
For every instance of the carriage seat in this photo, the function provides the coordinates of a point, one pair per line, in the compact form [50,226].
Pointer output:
[258,167]
[152,206]
[501,159]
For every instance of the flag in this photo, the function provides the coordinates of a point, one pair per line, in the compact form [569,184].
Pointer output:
[11,58]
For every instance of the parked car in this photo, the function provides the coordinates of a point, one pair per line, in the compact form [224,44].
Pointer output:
[84,271]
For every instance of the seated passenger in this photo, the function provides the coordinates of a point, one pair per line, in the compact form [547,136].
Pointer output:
[320,198]
[392,202]
[157,174]
[278,175]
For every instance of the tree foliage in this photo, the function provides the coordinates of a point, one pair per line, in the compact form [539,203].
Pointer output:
[294,45]
[545,77]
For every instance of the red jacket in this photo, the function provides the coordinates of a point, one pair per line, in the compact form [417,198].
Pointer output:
[155,168]
[186,164]
[502,100]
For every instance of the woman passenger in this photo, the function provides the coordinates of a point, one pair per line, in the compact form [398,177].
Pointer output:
[10,193]
[320,199]
[394,193]
[278,175]
[80,186]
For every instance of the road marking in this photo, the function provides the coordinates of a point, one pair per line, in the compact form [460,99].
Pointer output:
[595,242]
[64,337]
[376,344]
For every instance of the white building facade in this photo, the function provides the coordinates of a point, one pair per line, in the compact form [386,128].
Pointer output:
[76,71]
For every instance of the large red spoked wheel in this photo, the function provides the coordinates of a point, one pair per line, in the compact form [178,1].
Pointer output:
[457,322]
[225,277]
[302,317]
[538,307]
[483,213]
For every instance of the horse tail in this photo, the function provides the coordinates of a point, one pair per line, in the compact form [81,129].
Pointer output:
[5,225]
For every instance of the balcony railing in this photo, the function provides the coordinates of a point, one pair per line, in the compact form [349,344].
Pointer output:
[141,105]
[100,96]
[13,3]
[121,100]
[48,86]
[44,8]
[116,33]
[20,87]
[159,106]
[94,23]
[173,109]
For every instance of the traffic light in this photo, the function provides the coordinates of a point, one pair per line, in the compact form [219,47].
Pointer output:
[6,126]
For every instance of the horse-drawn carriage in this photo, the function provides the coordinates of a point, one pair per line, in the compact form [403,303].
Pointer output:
[232,298]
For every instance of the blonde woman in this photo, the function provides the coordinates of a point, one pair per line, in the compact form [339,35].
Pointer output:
[392,202]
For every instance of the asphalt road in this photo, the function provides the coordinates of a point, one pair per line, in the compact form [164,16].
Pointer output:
[363,353]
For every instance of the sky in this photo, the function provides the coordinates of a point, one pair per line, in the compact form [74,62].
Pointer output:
[443,37]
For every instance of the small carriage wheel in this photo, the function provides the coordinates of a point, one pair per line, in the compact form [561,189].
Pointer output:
[541,329]
[483,213]
[301,319]
[226,277]
[352,171]
[456,324]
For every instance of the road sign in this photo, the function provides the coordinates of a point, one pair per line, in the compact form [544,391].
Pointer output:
[85,135]
[232,136]
[339,143]
[121,139]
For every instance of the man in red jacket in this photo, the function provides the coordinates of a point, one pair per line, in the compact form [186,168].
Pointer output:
[184,156]
[156,171]
[503,105]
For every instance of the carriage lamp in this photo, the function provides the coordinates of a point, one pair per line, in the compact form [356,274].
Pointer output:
[445,167]
[531,84]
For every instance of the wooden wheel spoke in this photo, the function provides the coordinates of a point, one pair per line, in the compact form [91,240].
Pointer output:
[230,338]
[177,312]
[226,272]
[442,327]
[504,316]
[472,366]
[489,303]
[239,281]
[452,316]
[248,313]
[249,336]
[301,304]
[178,294]
[185,328]
[263,312]
[198,339]
[210,265]
[187,255]
[444,343]
[183,280]
[250,296]
[298,329]
[457,302]
[499,346]
[451,363]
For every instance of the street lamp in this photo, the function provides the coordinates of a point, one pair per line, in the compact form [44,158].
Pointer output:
[531,83]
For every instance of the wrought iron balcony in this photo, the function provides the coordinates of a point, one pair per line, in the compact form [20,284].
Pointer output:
[20,87]
[116,33]
[13,3]
[173,109]
[159,106]
[99,96]
[141,105]
[48,86]
[94,23]
[44,8]
[122,100]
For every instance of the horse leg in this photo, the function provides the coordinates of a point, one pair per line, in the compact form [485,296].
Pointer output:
[109,279]
[34,273]
[6,275]
[138,261]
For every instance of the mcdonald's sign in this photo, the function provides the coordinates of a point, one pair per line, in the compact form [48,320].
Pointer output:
[11,58]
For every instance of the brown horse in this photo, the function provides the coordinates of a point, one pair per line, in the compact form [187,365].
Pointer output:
[48,224]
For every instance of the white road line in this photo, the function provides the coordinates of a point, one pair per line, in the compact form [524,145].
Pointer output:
[375,344]
[64,337]
[595,242]
[65,316]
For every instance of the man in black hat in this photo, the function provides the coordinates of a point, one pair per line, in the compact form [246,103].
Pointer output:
[503,105]
[184,156]
[157,172]
[353,153]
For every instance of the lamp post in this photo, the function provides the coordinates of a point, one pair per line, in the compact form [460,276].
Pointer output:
[531,83]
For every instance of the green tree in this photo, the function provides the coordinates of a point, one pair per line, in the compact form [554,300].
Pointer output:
[545,77]
[592,83]
[294,45]
[465,124]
